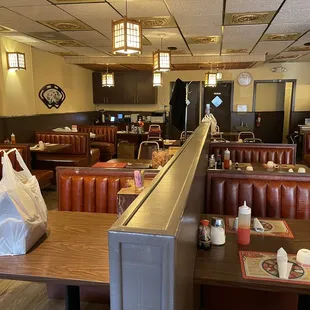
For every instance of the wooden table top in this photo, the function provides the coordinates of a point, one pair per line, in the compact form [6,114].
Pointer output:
[131,161]
[53,148]
[131,190]
[221,266]
[257,167]
[74,252]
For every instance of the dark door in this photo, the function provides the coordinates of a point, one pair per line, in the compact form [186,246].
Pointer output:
[219,98]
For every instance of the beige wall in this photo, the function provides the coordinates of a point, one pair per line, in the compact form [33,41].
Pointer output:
[19,89]
[269,97]
[244,94]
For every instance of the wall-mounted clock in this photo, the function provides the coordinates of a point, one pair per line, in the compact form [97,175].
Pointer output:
[244,79]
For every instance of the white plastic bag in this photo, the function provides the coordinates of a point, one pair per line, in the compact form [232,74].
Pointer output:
[23,212]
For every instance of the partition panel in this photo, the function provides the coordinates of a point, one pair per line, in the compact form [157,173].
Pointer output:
[152,247]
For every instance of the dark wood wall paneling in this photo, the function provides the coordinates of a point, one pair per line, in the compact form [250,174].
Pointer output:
[298,118]
[24,127]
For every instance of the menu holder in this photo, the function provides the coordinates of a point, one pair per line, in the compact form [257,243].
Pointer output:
[262,266]
[272,228]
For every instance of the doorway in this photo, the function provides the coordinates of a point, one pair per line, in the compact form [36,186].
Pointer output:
[221,102]
[273,100]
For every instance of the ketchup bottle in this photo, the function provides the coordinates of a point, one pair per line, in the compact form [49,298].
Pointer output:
[244,224]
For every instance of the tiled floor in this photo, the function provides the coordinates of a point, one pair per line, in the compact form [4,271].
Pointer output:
[18,295]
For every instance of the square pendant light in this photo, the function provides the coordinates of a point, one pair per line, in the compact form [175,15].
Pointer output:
[210,80]
[127,36]
[162,61]
[16,61]
[157,79]
[219,76]
[107,79]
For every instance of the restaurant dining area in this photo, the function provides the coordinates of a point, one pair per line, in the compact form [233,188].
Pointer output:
[155,155]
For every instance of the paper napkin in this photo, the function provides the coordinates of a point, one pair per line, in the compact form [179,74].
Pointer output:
[257,225]
[284,267]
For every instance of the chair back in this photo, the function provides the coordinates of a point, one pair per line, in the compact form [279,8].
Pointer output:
[252,140]
[154,131]
[248,134]
[182,136]
[146,149]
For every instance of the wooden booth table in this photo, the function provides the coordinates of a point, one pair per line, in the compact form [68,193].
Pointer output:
[133,163]
[220,266]
[74,252]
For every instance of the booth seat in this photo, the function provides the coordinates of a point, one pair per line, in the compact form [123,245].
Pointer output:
[256,152]
[105,141]
[44,177]
[269,195]
[79,154]
[92,189]
[306,150]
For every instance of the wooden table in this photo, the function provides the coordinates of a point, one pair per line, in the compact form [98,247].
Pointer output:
[74,252]
[52,148]
[220,266]
[261,168]
[131,161]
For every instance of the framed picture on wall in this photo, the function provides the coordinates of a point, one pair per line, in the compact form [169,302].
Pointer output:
[242,108]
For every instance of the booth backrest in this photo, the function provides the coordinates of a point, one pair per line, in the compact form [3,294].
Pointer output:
[105,133]
[269,195]
[80,142]
[23,150]
[92,189]
[256,153]
[306,143]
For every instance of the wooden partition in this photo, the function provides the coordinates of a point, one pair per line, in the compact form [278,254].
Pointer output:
[152,247]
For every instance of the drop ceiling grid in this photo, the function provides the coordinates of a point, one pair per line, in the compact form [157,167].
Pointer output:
[271,47]
[20,23]
[99,16]
[12,3]
[42,13]
[205,49]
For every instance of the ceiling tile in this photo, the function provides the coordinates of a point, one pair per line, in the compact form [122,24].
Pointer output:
[20,37]
[87,51]
[12,3]
[281,36]
[39,13]
[195,7]
[305,58]
[171,37]
[84,35]
[51,35]
[248,33]
[245,6]
[288,28]
[205,49]
[288,56]
[271,47]
[214,21]
[201,31]
[48,47]
[66,25]
[96,15]
[141,8]
[74,1]
[235,51]
[15,21]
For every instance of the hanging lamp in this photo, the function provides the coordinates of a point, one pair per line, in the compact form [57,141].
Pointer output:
[107,79]
[127,36]
[157,79]
[219,76]
[210,79]
[162,60]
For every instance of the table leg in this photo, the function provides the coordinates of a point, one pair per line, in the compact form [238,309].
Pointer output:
[304,302]
[72,297]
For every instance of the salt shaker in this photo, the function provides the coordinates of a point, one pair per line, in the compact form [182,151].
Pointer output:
[218,236]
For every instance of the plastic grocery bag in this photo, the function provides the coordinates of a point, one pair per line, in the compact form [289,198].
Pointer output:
[23,212]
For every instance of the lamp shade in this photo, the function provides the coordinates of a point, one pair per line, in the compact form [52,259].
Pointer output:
[107,79]
[157,79]
[127,36]
[16,60]
[219,76]
[161,61]
[210,80]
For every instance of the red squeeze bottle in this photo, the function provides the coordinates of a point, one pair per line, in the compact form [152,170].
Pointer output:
[244,224]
